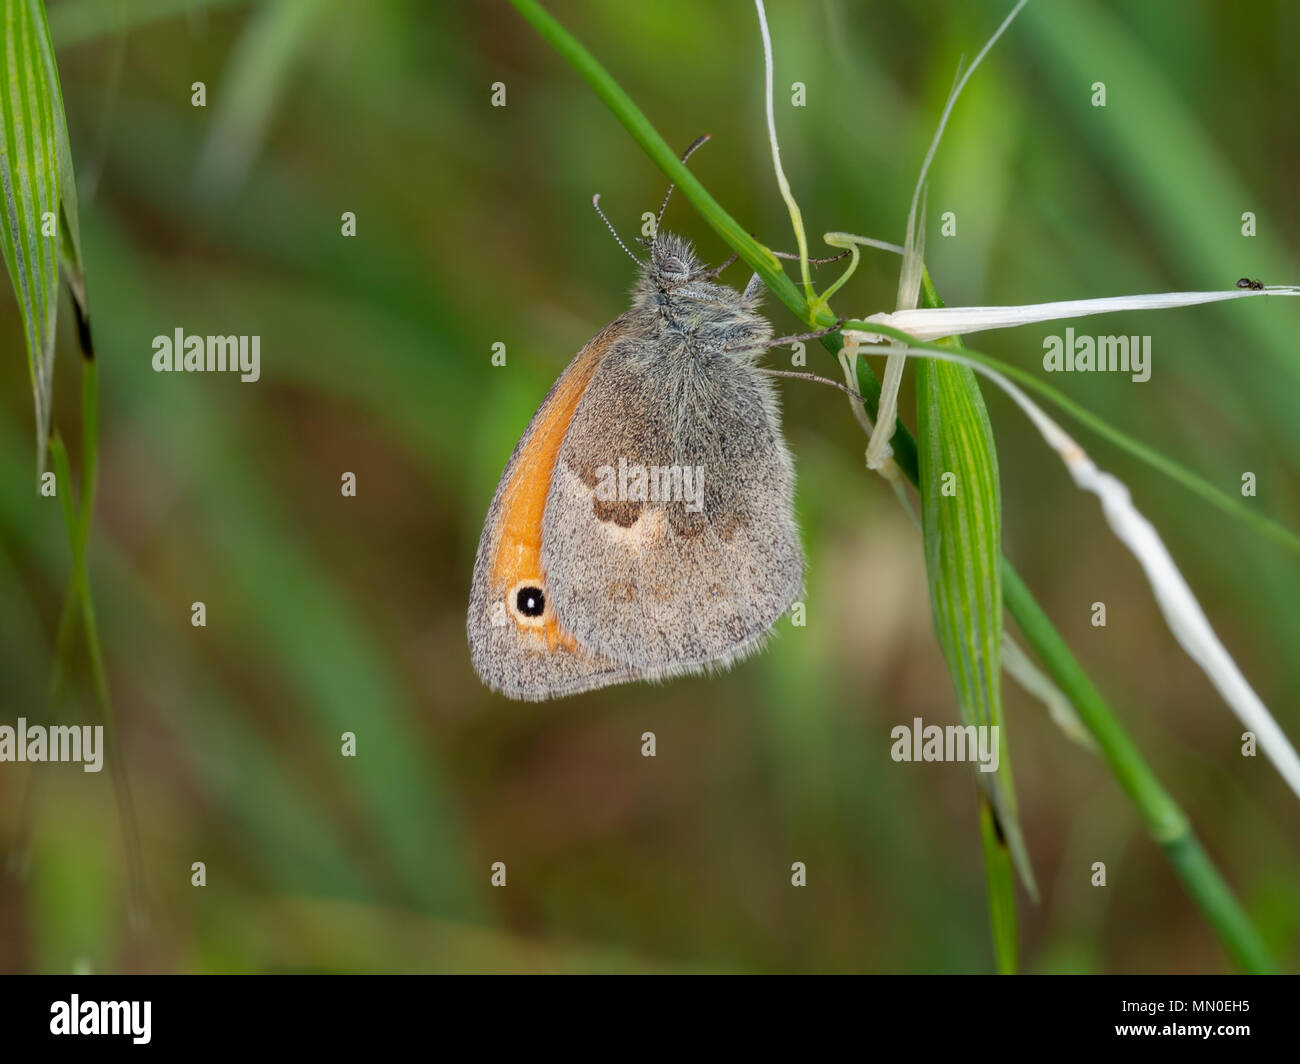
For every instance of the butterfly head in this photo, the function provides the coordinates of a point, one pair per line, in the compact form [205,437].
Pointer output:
[679,288]
[673,264]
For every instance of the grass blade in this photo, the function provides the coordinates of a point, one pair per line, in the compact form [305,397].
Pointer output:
[29,176]
[1002,897]
[276,37]
[961,521]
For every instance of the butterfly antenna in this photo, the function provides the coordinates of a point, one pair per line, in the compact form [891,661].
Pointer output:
[685,155]
[595,202]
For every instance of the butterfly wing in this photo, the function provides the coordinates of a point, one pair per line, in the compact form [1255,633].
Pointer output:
[517,642]
[678,584]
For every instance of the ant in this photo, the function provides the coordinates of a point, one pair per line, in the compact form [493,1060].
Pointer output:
[1246,282]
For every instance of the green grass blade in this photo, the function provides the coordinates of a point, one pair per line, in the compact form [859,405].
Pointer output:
[29,177]
[1002,893]
[276,37]
[72,262]
[961,522]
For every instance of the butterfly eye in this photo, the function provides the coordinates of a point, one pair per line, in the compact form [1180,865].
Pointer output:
[672,267]
[530,601]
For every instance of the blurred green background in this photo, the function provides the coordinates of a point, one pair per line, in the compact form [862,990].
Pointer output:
[328,614]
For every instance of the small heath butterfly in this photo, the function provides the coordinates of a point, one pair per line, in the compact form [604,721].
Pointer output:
[644,525]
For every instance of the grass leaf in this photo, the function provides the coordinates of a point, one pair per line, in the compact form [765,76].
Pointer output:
[31,122]
[276,37]
[1002,897]
[961,520]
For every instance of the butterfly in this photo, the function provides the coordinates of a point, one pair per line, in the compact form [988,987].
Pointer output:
[644,526]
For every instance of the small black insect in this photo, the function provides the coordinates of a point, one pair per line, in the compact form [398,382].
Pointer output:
[1246,282]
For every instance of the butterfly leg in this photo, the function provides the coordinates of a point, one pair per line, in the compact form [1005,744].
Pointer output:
[814,262]
[716,269]
[781,341]
[755,282]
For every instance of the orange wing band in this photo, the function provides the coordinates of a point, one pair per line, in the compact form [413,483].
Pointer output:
[523,502]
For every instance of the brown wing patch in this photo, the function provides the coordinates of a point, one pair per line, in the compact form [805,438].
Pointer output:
[621,512]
